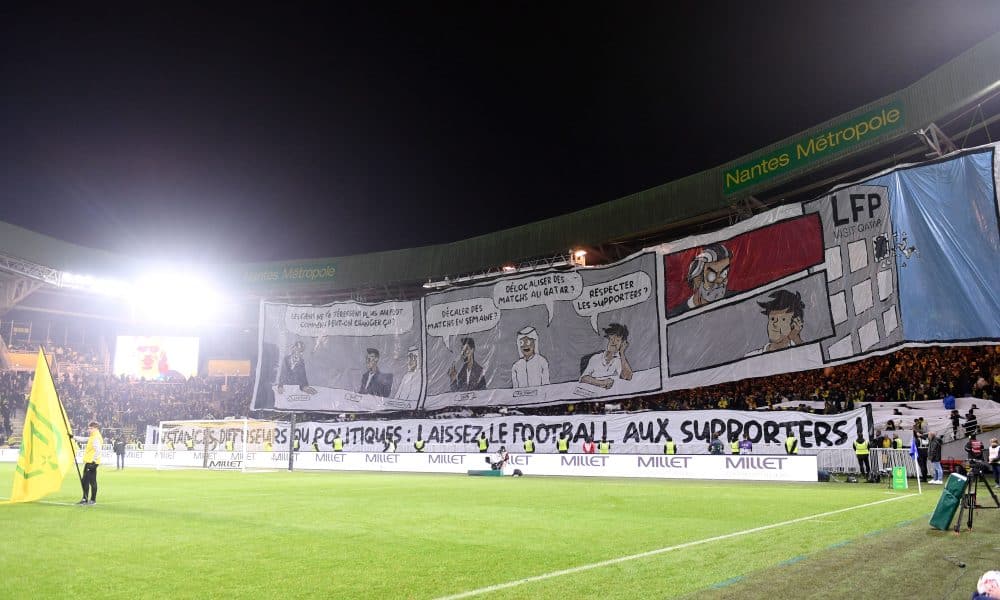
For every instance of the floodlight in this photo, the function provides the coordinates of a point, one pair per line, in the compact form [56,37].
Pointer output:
[175,297]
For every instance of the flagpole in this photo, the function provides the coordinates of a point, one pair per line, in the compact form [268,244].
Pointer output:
[62,410]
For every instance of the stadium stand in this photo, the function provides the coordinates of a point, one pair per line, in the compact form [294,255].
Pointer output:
[33,266]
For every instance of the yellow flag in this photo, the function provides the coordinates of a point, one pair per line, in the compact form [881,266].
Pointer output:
[46,452]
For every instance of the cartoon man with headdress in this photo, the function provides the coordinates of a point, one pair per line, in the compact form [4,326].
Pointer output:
[784,311]
[532,369]
[409,384]
[707,276]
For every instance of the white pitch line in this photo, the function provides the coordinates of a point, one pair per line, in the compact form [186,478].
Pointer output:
[614,561]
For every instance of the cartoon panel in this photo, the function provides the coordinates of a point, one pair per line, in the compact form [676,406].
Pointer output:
[794,314]
[705,274]
[545,338]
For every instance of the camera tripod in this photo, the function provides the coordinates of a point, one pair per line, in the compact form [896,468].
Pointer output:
[976,476]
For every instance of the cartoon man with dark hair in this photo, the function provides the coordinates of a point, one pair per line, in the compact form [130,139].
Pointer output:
[375,382]
[293,370]
[470,377]
[707,276]
[604,367]
[784,311]
[532,369]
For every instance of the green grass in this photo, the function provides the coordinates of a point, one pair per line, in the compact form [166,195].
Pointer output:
[198,534]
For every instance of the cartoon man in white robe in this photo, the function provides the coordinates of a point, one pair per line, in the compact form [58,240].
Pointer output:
[532,369]
[409,385]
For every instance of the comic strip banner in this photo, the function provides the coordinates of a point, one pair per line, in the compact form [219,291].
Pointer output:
[906,257]
[341,357]
[635,433]
[546,338]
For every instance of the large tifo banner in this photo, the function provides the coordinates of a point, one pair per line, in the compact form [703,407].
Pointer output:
[907,257]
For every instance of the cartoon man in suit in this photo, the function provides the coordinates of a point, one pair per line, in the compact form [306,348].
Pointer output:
[373,381]
[293,370]
[470,377]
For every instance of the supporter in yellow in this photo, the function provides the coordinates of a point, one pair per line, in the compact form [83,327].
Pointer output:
[91,459]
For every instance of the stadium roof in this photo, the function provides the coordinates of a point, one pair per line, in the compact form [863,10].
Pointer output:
[971,79]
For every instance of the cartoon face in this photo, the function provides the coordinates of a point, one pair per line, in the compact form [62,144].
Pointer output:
[411,361]
[527,346]
[713,280]
[779,324]
[467,352]
[614,343]
[371,361]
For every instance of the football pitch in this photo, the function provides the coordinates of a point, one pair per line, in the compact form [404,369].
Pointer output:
[198,534]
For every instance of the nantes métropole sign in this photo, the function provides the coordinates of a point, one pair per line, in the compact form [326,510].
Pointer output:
[806,150]
[287,273]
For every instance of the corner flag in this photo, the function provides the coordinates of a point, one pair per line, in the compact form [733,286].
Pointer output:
[46,451]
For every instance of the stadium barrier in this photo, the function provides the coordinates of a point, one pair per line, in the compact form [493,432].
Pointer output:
[724,467]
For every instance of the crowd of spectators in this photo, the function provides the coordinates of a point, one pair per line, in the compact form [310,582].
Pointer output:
[126,405]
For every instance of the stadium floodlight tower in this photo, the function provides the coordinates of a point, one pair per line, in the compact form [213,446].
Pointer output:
[221,445]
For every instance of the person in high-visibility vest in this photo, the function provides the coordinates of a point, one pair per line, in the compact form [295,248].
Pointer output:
[91,460]
[189,444]
[734,445]
[604,446]
[897,442]
[562,444]
[315,446]
[295,445]
[861,451]
[670,446]
[229,445]
[791,445]
[529,446]
[482,442]
[419,445]
[338,443]
[268,446]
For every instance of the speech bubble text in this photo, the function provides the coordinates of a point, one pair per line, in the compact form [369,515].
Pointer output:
[462,317]
[350,319]
[616,294]
[538,290]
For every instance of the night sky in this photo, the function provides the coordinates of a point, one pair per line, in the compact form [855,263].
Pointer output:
[249,136]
